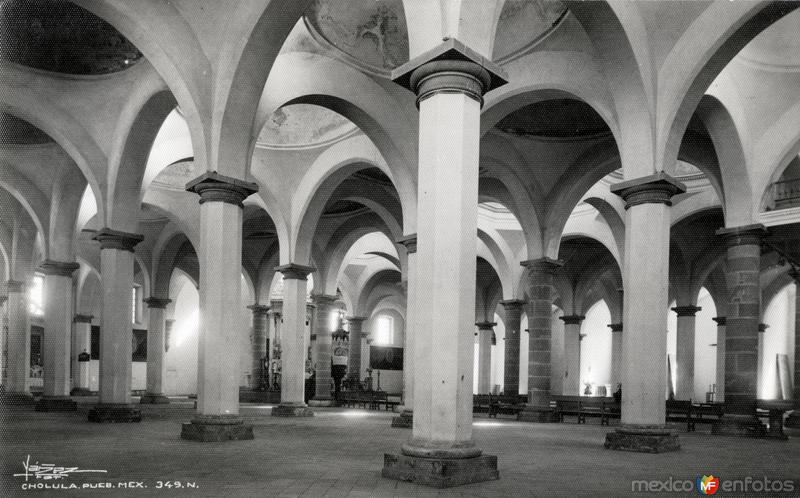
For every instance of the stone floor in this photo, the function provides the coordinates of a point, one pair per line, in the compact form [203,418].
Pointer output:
[339,452]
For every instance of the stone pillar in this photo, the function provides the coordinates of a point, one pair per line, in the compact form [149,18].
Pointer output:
[156,366]
[540,315]
[406,417]
[645,308]
[81,355]
[513,312]
[793,420]
[325,310]
[572,354]
[168,324]
[356,324]
[449,82]
[720,395]
[18,345]
[275,345]
[293,343]
[58,308]
[220,253]
[116,268]
[259,344]
[741,331]
[684,357]
[485,331]
[616,353]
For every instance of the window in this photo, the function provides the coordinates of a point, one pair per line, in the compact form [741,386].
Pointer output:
[36,295]
[384,332]
[135,309]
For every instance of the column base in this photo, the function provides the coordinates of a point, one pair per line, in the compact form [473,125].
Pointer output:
[793,420]
[289,410]
[542,414]
[739,425]
[121,412]
[212,428]
[56,404]
[644,439]
[316,402]
[440,472]
[153,399]
[405,420]
[80,391]
[16,399]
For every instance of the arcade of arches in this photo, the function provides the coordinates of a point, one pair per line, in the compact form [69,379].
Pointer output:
[292,202]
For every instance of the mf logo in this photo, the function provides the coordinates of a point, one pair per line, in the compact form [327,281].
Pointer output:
[707,485]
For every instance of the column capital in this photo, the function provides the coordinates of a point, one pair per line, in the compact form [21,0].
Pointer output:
[762,327]
[259,309]
[485,325]
[15,286]
[657,188]
[572,319]
[355,319]
[58,268]
[82,318]
[409,241]
[156,302]
[542,265]
[688,310]
[512,304]
[323,299]
[213,187]
[295,271]
[720,320]
[743,235]
[615,327]
[114,239]
[451,67]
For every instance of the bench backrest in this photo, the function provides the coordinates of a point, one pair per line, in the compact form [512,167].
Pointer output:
[679,406]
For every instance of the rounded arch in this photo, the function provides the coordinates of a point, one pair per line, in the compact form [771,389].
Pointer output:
[772,160]
[335,263]
[387,279]
[501,256]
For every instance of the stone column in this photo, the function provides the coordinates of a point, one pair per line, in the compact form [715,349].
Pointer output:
[540,315]
[220,252]
[18,345]
[293,343]
[406,417]
[485,331]
[762,327]
[81,355]
[793,420]
[572,354]
[275,345]
[449,82]
[156,366]
[720,395]
[684,357]
[741,331]
[513,309]
[116,268]
[259,344]
[645,308]
[616,353]
[325,310]
[356,324]
[58,308]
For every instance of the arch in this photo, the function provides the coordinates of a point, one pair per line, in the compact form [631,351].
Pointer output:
[772,160]
[614,221]
[376,280]
[501,254]
[28,195]
[331,270]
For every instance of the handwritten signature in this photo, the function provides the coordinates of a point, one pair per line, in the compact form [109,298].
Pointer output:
[49,471]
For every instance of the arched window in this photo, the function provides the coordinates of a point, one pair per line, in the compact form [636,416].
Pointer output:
[384,331]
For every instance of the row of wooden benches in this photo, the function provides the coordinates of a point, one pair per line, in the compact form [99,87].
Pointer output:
[493,404]
[372,400]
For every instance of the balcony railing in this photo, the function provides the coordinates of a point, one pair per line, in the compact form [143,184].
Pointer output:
[786,193]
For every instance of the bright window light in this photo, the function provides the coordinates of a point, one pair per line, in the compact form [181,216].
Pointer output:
[384,331]
[36,295]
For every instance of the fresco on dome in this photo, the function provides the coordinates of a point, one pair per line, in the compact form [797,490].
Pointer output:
[289,126]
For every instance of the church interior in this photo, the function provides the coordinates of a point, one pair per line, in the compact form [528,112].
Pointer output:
[389,247]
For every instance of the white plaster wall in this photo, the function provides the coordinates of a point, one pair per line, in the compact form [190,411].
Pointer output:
[498,356]
[523,355]
[181,359]
[778,339]
[595,347]
[705,355]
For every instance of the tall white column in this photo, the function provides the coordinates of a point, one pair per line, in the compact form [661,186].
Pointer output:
[356,324]
[260,339]
[644,344]
[616,353]
[81,355]
[684,357]
[220,253]
[116,268]
[406,417]
[19,345]
[293,342]
[156,367]
[449,82]
[485,331]
[326,309]
[58,308]
[572,354]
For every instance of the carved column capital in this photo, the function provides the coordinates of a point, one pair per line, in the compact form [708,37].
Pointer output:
[295,271]
[744,235]
[688,310]
[213,187]
[156,302]
[324,299]
[355,319]
[615,327]
[259,309]
[82,318]
[542,265]
[658,188]
[486,325]
[410,242]
[513,304]
[721,320]
[114,239]
[572,319]
[762,327]
[58,268]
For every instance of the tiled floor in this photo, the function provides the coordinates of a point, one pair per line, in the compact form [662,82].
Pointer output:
[340,453]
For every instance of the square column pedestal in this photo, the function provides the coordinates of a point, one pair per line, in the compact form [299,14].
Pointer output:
[207,428]
[449,81]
